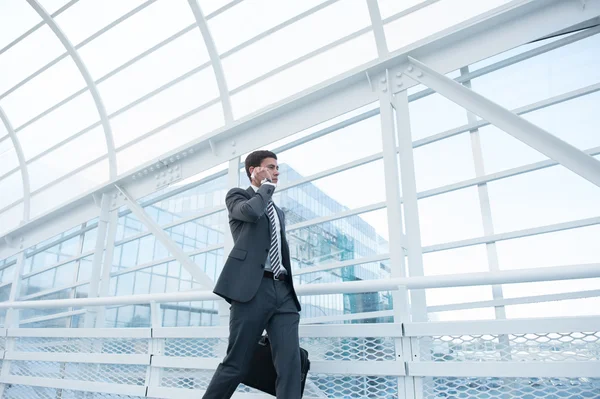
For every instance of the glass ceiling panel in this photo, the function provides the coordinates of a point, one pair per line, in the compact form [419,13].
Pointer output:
[387,8]
[78,152]
[170,138]
[10,218]
[210,6]
[58,125]
[16,17]
[52,5]
[43,91]
[29,55]
[165,106]
[69,188]
[307,74]
[8,157]
[11,188]
[433,19]
[292,42]
[86,17]
[250,18]
[161,67]
[135,35]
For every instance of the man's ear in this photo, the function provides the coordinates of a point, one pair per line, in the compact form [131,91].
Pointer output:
[251,169]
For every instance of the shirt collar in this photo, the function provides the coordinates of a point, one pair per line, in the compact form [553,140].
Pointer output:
[254,187]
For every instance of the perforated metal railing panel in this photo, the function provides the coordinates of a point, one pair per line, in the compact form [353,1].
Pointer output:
[27,392]
[82,345]
[109,373]
[550,347]
[344,367]
[350,349]
[509,388]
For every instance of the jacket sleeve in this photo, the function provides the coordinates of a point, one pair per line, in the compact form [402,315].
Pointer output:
[248,210]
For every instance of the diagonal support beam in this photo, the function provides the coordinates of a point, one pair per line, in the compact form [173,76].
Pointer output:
[189,265]
[537,138]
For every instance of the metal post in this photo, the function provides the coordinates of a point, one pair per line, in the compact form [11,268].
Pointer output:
[411,207]
[488,224]
[156,347]
[92,313]
[484,202]
[12,315]
[394,214]
[80,245]
[113,222]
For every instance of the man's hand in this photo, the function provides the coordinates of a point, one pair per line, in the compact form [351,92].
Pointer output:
[259,174]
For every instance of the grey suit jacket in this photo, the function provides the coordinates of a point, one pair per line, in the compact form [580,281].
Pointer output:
[244,268]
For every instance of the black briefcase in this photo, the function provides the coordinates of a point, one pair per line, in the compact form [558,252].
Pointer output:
[262,375]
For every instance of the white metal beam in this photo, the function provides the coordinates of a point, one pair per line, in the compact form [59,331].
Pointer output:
[103,222]
[376,22]
[110,144]
[189,265]
[447,51]
[349,287]
[570,369]
[411,206]
[215,59]
[520,128]
[22,164]
[484,202]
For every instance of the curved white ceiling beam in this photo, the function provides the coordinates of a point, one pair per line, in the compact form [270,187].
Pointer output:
[215,59]
[22,164]
[375,15]
[110,144]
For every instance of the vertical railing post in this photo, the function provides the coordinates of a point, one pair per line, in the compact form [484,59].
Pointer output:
[12,315]
[418,304]
[104,286]
[156,347]
[91,313]
[395,223]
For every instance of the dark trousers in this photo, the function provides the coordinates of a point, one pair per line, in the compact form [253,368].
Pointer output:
[272,308]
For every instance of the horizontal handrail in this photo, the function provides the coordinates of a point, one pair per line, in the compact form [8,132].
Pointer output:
[411,283]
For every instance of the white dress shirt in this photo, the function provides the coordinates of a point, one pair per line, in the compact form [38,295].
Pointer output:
[278,232]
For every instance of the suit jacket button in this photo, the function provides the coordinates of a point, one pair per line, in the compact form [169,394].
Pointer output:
[262,266]
[267,250]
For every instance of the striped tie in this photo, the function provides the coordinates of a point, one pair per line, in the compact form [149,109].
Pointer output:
[274,251]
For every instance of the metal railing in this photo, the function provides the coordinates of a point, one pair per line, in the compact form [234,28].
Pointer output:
[468,359]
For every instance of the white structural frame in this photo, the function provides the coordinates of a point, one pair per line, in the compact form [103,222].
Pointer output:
[286,118]
[476,39]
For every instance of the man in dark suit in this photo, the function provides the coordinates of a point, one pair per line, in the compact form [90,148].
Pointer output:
[257,281]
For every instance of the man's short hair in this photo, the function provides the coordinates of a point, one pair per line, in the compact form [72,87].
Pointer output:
[255,159]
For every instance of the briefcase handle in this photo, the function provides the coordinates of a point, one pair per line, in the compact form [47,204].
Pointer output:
[264,340]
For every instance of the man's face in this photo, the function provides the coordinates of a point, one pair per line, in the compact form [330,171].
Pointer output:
[271,164]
